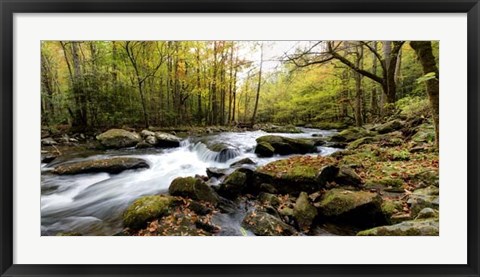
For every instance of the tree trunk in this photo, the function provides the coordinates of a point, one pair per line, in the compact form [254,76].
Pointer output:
[423,49]
[358,87]
[258,86]
[374,89]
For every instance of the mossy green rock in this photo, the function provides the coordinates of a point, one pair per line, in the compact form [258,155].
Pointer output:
[264,149]
[264,224]
[284,146]
[304,212]
[293,175]
[233,185]
[145,209]
[269,199]
[350,134]
[358,142]
[425,133]
[390,126]
[386,184]
[113,165]
[339,201]
[427,227]
[192,188]
[118,138]
[426,178]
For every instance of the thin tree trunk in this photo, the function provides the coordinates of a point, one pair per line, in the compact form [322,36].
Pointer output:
[259,84]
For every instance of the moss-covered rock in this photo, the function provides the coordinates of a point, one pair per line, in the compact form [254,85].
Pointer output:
[293,175]
[193,188]
[270,128]
[358,142]
[427,213]
[390,126]
[118,138]
[339,201]
[242,162]
[386,184]
[423,198]
[351,134]
[340,175]
[269,199]
[283,146]
[425,178]
[304,212]
[146,209]
[112,165]
[427,227]
[391,207]
[233,185]
[264,149]
[425,133]
[264,224]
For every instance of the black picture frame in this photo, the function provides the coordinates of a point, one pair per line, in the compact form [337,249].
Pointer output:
[10,7]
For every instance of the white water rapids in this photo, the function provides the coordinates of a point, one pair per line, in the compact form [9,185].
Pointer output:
[92,204]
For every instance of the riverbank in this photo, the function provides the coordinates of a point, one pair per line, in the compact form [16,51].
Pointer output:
[298,183]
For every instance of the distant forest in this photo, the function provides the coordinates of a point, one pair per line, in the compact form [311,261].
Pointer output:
[99,84]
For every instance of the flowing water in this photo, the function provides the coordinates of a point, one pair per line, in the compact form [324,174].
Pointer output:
[92,204]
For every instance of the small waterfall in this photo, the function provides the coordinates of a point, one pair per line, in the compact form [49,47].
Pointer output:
[205,154]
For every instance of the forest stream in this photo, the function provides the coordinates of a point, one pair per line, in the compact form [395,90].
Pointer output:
[93,204]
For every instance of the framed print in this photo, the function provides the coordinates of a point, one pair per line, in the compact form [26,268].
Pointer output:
[239,138]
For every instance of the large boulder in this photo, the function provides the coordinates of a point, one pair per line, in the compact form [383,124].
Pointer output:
[233,185]
[424,133]
[426,227]
[292,175]
[145,209]
[193,188]
[118,138]
[304,212]
[283,146]
[264,224]
[355,208]
[111,165]
[167,140]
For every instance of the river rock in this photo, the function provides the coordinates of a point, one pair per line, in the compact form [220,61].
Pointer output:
[147,133]
[356,208]
[304,212]
[110,165]
[269,199]
[264,224]
[283,146]
[167,140]
[292,175]
[427,213]
[233,185]
[427,227]
[118,138]
[217,172]
[242,162]
[145,209]
[152,140]
[193,188]
[143,144]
